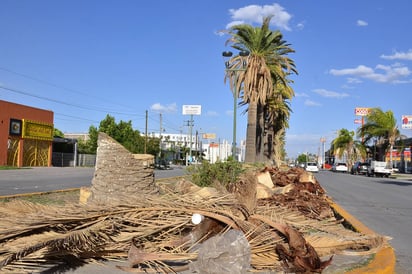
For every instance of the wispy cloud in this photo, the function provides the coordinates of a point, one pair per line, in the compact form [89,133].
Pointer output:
[300,26]
[157,107]
[229,112]
[330,94]
[212,113]
[353,80]
[255,14]
[399,56]
[395,73]
[311,103]
[301,94]
[361,23]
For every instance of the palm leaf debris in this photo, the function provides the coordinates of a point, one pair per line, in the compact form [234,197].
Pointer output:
[288,231]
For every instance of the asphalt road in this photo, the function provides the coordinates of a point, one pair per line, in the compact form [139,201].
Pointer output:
[44,179]
[382,204]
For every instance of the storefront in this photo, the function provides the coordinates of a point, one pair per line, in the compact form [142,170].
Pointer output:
[26,135]
[401,159]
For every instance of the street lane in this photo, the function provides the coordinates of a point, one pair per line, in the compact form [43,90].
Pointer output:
[382,204]
[43,179]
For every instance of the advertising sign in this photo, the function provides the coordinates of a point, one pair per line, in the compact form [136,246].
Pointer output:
[209,135]
[407,121]
[358,121]
[37,131]
[192,109]
[362,111]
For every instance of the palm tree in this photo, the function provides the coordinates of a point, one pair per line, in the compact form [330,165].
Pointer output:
[266,66]
[277,117]
[345,144]
[381,127]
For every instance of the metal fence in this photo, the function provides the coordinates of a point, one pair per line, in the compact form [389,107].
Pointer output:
[60,159]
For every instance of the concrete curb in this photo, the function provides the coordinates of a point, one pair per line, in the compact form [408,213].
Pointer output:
[383,262]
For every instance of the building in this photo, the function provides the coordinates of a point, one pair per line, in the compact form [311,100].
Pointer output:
[202,146]
[26,135]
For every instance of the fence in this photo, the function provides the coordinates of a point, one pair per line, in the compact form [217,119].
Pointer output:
[61,159]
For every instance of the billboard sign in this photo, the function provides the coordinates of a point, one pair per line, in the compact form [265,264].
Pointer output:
[362,111]
[192,109]
[37,131]
[407,121]
[209,135]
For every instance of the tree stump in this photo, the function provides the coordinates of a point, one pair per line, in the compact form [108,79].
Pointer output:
[119,174]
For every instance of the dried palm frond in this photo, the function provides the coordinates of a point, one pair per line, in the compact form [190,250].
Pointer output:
[34,237]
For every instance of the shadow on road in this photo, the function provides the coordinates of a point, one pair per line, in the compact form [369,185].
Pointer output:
[394,182]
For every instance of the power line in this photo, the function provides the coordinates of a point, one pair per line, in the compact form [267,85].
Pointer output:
[58,86]
[75,117]
[64,103]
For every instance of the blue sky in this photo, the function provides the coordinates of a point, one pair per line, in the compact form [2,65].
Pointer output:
[86,59]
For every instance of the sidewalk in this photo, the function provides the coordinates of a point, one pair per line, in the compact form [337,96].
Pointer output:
[402,176]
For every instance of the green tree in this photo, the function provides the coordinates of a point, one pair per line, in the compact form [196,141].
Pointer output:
[346,145]
[122,132]
[58,133]
[381,127]
[302,158]
[89,146]
[266,65]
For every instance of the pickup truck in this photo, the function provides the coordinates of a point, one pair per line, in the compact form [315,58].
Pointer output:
[379,168]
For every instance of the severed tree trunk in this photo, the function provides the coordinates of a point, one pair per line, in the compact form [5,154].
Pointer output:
[120,174]
[250,156]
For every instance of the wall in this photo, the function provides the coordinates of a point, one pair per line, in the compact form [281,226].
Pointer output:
[9,110]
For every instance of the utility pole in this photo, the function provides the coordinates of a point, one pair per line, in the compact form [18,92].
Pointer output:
[160,138]
[145,138]
[190,124]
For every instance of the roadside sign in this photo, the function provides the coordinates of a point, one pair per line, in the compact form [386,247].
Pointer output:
[209,136]
[358,121]
[362,111]
[192,109]
[407,121]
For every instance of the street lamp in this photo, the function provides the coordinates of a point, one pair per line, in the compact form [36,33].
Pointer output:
[233,67]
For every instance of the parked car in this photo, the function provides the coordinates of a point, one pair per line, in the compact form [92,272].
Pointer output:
[379,169]
[360,168]
[340,167]
[312,167]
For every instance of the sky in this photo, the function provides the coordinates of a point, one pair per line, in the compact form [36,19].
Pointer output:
[84,60]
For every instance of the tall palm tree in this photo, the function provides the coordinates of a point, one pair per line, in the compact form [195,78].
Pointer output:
[381,127]
[266,65]
[277,117]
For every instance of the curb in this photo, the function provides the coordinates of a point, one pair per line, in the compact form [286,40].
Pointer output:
[384,261]
[38,193]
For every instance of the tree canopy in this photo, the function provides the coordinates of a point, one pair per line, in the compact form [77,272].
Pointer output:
[122,132]
[267,71]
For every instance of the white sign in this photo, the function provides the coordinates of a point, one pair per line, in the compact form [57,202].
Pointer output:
[407,121]
[362,111]
[192,109]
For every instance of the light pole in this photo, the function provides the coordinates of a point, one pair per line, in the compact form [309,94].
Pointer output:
[323,141]
[234,66]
